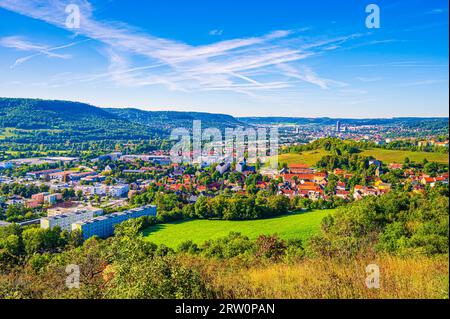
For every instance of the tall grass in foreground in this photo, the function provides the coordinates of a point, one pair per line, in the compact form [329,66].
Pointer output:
[406,278]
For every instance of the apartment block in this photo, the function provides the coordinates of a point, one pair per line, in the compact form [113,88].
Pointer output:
[103,226]
[118,190]
[67,211]
[39,197]
[52,198]
[65,221]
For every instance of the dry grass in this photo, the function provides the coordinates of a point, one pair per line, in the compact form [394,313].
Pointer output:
[410,278]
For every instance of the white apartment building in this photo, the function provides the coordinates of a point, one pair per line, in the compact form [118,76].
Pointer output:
[69,216]
[96,189]
[65,211]
[118,190]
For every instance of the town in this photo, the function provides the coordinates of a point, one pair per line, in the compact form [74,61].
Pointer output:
[94,195]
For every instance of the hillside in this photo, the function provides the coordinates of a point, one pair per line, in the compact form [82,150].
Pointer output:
[170,119]
[51,121]
[48,121]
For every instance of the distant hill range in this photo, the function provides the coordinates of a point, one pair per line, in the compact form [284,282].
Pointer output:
[320,121]
[50,121]
[166,120]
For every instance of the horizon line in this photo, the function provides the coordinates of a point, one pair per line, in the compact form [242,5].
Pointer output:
[236,116]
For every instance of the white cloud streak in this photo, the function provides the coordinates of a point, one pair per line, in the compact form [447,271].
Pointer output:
[230,65]
[20,44]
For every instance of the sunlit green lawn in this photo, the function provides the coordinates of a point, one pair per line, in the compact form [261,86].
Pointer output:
[292,225]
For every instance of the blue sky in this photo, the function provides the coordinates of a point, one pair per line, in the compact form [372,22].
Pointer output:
[245,58]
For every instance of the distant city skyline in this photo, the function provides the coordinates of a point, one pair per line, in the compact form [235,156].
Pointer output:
[252,58]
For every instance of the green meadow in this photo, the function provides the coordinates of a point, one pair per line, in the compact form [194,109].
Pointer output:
[307,157]
[396,156]
[292,225]
[386,156]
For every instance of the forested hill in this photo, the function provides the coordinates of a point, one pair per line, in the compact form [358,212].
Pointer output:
[49,121]
[45,121]
[170,119]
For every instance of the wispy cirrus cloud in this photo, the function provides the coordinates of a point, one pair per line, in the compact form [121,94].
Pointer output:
[306,74]
[369,79]
[425,82]
[437,11]
[21,44]
[402,64]
[241,65]
[216,32]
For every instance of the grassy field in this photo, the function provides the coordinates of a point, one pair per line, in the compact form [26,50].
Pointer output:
[391,156]
[308,157]
[386,156]
[292,225]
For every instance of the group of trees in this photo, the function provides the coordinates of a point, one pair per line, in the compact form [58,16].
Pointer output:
[412,145]
[350,162]
[18,244]
[268,247]
[17,213]
[232,206]
[22,189]
[239,207]
[330,144]
[399,222]
[228,207]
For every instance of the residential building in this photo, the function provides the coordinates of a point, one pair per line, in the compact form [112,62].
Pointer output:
[39,197]
[299,169]
[66,211]
[240,167]
[65,221]
[32,204]
[223,167]
[394,166]
[338,126]
[103,226]
[15,200]
[59,176]
[80,175]
[118,190]
[43,174]
[52,198]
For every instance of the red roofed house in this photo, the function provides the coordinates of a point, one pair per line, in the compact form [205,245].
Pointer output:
[299,169]
[340,186]
[299,177]
[395,166]
[320,176]
[342,194]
